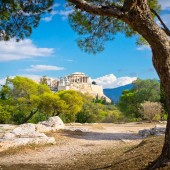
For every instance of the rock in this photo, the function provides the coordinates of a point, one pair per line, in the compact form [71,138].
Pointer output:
[27,130]
[31,134]
[6,144]
[144,133]
[156,131]
[8,136]
[43,128]
[54,122]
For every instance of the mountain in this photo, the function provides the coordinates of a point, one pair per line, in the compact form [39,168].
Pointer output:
[115,93]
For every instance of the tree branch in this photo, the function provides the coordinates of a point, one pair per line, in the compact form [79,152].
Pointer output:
[165,28]
[111,10]
[129,4]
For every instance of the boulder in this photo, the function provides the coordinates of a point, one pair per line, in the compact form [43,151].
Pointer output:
[31,134]
[54,122]
[8,136]
[27,130]
[42,128]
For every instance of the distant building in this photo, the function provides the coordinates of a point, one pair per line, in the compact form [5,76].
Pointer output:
[76,81]
[80,82]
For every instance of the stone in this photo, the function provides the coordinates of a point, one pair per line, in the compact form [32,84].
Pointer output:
[156,131]
[43,128]
[8,136]
[54,122]
[6,144]
[27,130]
[31,134]
[144,133]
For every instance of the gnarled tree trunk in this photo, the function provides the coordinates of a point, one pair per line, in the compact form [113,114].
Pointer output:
[141,21]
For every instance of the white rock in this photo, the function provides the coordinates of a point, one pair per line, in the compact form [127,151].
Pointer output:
[43,128]
[24,129]
[6,144]
[27,130]
[55,122]
[8,136]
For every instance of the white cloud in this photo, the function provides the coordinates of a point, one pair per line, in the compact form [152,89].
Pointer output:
[111,81]
[143,47]
[165,4]
[2,81]
[36,78]
[41,68]
[50,17]
[64,13]
[12,50]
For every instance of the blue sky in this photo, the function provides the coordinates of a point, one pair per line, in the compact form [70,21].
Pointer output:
[52,51]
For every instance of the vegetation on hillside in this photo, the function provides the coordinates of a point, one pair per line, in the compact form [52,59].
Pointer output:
[23,100]
[131,101]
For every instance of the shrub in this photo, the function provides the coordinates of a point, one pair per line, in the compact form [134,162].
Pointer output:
[151,110]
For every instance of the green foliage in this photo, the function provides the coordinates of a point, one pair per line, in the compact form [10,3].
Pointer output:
[95,30]
[5,113]
[96,112]
[39,117]
[143,90]
[73,101]
[18,18]
[22,98]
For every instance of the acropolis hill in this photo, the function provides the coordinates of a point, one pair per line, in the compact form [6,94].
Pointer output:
[77,81]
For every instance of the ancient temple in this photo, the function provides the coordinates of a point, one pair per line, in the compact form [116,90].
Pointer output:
[78,77]
[76,81]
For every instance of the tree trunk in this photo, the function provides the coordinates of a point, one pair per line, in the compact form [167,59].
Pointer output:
[164,74]
[139,18]
[32,113]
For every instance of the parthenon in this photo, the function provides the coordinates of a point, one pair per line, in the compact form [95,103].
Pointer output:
[78,77]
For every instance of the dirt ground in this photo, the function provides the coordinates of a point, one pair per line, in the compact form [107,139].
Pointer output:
[93,147]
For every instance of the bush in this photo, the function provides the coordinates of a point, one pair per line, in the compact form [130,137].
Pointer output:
[151,110]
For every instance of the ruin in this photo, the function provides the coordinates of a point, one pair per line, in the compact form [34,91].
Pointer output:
[77,81]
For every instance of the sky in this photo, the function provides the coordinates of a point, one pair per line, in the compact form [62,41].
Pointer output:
[52,51]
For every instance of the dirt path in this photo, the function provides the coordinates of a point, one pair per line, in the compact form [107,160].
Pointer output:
[74,147]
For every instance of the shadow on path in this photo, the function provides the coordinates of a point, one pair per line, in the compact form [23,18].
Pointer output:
[101,135]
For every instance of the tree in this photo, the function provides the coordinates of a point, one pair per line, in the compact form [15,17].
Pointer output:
[73,102]
[94,83]
[22,98]
[18,18]
[129,104]
[101,19]
[151,110]
[142,90]
[44,80]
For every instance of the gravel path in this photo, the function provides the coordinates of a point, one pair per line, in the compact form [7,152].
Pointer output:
[72,144]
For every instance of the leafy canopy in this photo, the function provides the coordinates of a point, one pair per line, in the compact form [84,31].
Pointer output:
[95,30]
[143,90]
[19,17]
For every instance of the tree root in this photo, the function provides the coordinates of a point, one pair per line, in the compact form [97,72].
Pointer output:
[158,163]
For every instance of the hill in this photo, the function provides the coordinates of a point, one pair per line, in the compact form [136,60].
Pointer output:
[115,93]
